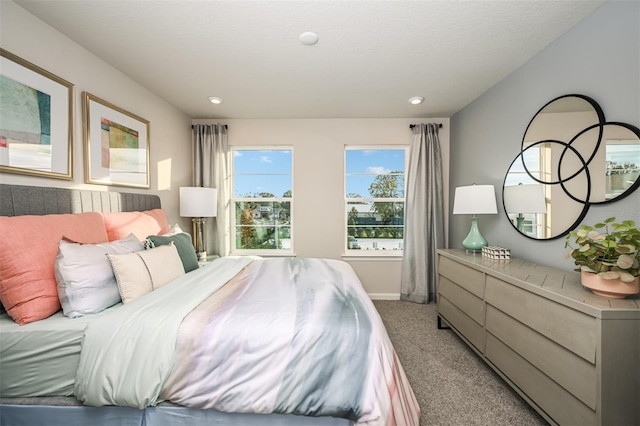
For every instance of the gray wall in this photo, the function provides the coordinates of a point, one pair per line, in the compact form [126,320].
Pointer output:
[600,58]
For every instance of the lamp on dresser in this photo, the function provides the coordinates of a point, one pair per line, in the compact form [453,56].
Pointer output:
[524,199]
[474,200]
[199,203]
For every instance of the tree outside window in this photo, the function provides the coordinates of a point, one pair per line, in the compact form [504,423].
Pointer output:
[374,195]
[262,197]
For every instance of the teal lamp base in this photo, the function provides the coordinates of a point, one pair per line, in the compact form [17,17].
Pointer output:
[520,223]
[474,241]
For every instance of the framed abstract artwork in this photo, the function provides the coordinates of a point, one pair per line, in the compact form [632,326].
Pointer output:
[116,144]
[36,120]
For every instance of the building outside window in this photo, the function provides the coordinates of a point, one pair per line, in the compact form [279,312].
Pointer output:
[374,200]
[262,197]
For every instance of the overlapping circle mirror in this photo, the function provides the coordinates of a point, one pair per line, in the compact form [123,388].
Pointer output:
[571,158]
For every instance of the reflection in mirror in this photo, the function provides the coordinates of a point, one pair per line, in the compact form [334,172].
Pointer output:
[622,162]
[531,195]
[578,159]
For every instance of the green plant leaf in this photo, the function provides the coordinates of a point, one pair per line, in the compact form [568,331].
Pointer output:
[609,275]
[624,261]
[626,277]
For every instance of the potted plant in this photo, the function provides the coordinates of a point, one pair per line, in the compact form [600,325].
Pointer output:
[608,257]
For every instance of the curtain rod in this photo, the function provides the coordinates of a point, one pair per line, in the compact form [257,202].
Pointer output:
[225,126]
[411,126]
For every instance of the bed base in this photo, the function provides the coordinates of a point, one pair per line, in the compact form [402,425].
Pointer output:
[29,415]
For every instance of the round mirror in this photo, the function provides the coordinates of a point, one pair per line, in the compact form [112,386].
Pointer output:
[570,158]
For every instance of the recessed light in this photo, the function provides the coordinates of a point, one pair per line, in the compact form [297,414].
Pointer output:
[308,38]
[416,100]
[215,100]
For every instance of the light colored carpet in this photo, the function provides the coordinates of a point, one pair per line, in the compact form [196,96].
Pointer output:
[452,384]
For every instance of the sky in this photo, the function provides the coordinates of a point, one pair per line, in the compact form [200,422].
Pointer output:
[270,170]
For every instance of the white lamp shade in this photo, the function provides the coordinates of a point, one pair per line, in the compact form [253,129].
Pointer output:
[475,199]
[196,201]
[524,199]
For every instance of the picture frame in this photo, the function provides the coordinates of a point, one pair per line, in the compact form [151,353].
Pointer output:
[36,120]
[116,144]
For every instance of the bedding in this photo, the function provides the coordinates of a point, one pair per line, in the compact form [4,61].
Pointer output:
[86,283]
[183,243]
[149,222]
[293,336]
[141,272]
[28,248]
[40,358]
[245,335]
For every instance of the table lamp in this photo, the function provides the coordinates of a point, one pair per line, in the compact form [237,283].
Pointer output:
[474,200]
[199,203]
[520,199]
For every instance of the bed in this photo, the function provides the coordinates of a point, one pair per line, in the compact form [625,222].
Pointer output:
[238,341]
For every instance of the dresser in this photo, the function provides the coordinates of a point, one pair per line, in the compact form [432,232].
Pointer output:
[572,355]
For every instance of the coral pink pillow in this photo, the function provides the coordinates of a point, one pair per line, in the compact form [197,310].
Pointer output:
[141,224]
[28,248]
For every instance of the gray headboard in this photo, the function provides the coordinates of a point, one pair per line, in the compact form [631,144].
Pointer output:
[18,200]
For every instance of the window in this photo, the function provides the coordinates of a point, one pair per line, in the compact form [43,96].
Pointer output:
[262,198]
[374,200]
[622,165]
[532,167]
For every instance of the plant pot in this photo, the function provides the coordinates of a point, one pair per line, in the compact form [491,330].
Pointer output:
[613,289]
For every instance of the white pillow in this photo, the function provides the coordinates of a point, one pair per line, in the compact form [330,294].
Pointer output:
[142,272]
[86,284]
[175,230]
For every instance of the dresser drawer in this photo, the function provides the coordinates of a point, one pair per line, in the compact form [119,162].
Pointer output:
[567,369]
[467,278]
[470,329]
[467,302]
[559,404]
[572,329]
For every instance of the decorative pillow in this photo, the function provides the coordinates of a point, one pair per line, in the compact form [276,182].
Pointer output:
[120,225]
[28,248]
[86,284]
[142,272]
[176,229]
[185,248]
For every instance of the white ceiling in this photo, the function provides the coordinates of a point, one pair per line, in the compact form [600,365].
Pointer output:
[372,56]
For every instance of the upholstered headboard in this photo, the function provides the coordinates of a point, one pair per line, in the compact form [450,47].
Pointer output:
[18,200]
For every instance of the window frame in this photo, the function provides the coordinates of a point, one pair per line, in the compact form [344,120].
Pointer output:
[347,252]
[233,200]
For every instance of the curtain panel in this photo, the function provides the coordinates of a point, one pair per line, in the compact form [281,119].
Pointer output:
[211,169]
[424,216]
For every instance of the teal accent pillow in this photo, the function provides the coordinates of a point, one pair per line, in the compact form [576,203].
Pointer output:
[182,241]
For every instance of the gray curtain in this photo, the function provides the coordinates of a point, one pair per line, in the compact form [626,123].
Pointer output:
[424,215]
[211,169]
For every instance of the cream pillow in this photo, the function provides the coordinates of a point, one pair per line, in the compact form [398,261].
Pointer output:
[142,272]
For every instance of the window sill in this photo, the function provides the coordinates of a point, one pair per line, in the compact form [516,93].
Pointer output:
[394,257]
[263,253]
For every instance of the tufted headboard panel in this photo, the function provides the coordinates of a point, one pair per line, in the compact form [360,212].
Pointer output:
[18,200]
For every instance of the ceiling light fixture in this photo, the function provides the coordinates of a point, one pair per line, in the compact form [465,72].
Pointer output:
[308,38]
[416,100]
[215,100]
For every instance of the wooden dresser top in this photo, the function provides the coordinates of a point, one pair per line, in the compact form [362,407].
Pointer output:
[555,284]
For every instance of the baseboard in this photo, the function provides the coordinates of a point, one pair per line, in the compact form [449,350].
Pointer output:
[384,296]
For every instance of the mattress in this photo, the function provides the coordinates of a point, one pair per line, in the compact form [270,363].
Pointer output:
[41,358]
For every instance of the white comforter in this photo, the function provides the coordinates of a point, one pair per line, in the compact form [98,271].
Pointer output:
[290,336]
